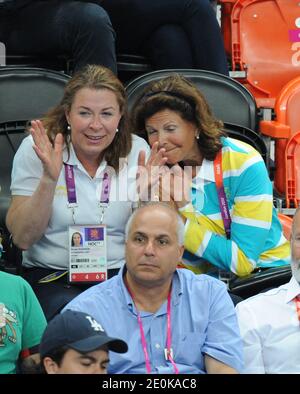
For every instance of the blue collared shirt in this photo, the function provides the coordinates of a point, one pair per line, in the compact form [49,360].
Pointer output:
[203,321]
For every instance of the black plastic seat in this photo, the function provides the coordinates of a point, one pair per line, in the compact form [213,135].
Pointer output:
[11,136]
[129,66]
[229,100]
[28,93]
[25,94]
[261,280]
[57,63]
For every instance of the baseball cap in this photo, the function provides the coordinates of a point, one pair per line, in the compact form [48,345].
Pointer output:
[79,331]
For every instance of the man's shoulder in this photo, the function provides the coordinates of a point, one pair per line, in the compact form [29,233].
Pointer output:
[261,299]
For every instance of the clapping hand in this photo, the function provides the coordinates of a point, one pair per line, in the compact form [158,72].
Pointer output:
[50,155]
[149,173]
[176,185]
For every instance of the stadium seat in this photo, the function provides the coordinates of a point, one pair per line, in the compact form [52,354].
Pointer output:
[11,135]
[262,41]
[229,100]
[129,66]
[25,94]
[286,222]
[285,129]
[56,63]
[260,280]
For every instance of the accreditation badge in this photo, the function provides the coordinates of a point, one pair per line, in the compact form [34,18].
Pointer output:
[87,254]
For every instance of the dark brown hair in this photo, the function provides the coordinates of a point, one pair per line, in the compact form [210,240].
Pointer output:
[93,77]
[178,94]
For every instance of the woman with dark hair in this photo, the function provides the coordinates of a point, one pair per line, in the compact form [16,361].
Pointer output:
[76,239]
[77,168]
[225,191]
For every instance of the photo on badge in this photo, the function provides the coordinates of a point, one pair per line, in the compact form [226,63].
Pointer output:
[76,240]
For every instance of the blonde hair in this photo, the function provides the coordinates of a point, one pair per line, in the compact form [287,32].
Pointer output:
[97,78]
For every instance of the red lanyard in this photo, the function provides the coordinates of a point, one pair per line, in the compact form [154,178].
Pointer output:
[297,301]
[168,350]
[221,194]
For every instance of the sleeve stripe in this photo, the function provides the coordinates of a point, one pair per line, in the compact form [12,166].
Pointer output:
[251,222]
[204,244]
[240,263]
[258,197]
[234,258]
[247,164]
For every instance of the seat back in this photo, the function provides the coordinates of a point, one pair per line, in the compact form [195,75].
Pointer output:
[286,222]
[264,43]
[229,100]
[292,171]
[286,131]
[27,93]
[11,136]
[60,63]
[129,66]
[259,281]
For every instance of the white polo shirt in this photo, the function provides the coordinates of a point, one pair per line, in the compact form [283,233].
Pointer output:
[270,330]
[51,251]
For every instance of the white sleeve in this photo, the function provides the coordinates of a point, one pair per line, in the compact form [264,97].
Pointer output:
[26,171]
[139,144]
[252,340]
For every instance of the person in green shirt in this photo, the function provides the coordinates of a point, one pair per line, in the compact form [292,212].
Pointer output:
[22,323]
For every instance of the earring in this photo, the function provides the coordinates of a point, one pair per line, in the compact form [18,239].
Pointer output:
[69,127]
[117,130]
[197,136]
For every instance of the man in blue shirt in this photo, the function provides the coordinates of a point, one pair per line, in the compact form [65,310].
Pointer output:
[173,320]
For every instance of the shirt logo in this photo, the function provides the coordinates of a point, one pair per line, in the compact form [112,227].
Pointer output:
[60,191]
[7,330]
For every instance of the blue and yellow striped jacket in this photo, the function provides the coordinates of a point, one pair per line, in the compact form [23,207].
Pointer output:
[256,233]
